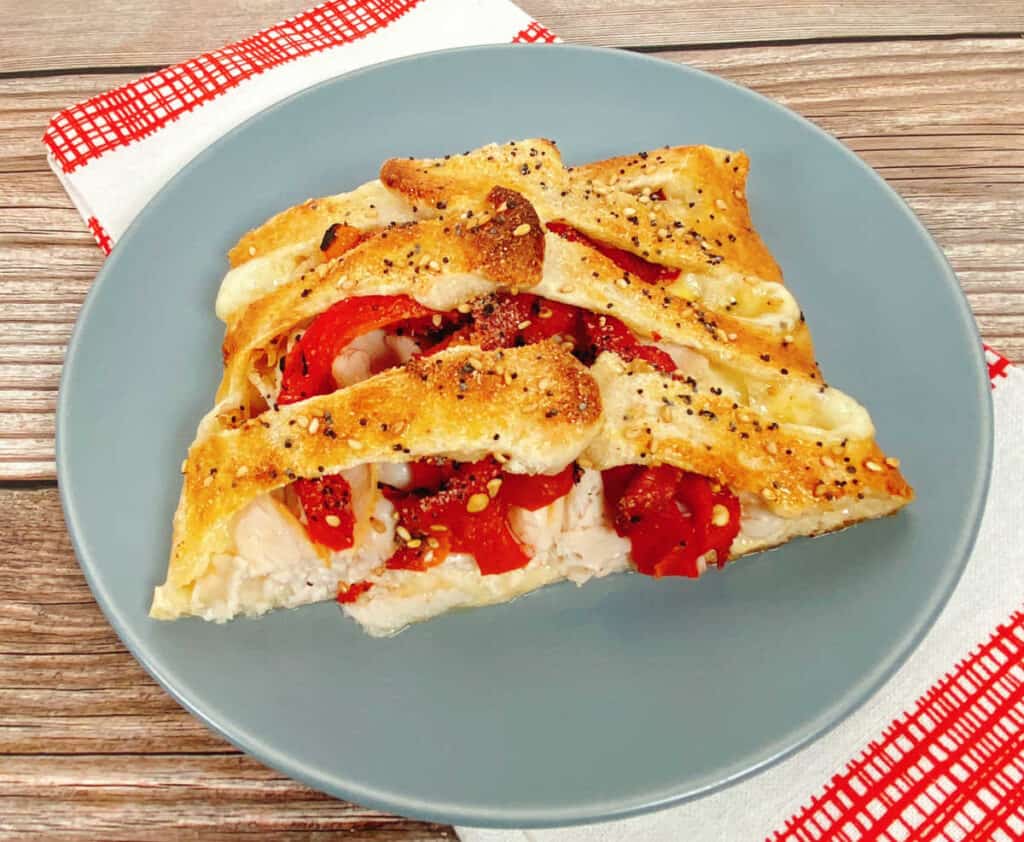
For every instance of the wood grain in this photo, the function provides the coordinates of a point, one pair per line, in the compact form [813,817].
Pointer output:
[138,33]
[84,730]
[942,122]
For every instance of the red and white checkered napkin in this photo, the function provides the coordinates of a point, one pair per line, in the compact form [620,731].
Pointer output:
[114,152]
[938,753]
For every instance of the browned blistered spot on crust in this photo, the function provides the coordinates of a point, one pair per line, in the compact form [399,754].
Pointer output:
[502,255]
[432,406]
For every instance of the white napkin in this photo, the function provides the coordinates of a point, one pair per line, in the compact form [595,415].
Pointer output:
[963,739]
[114,152]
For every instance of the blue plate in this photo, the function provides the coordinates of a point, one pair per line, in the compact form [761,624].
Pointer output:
[569,705]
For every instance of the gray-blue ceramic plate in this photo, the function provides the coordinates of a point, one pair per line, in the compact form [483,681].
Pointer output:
[571,704]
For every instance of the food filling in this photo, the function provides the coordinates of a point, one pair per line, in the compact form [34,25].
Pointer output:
[676,522]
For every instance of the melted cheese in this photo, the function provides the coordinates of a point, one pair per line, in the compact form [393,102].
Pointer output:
[370,206]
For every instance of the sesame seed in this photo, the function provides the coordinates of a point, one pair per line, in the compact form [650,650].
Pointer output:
[719,515]
[522,230]
[732,337]
[652,217]
[545,313]
[242,471]
[302,420]
[414,543]
[892,461]
[434,266]
[252,251]
[438,527]
[404,533]
[477,503]
[565,290]
[524,324]
[333,520]
[355,444]
[629,211]
[622,283]
[474,363]
[433,543]
[871,465]
[820,490]
[828,461]
[436,320]
[493,487]
[378,526]
[704,244]
[184,465]
[644,199]
[208,482]
[508,378]
[646,191]
[768,494]
[500,458]
[662,233]
[314,425]
[720,204]
[771,447]
[428,556]
[738,194]
[665,414]
[464,308]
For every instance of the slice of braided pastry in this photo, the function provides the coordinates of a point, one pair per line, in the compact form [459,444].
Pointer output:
[701,373]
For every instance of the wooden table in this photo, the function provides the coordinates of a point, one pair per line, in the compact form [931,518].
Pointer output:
[931,95]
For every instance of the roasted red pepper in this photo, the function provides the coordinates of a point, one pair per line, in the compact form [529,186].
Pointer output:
[327,503]
[307,369]
[652,273]
[671,517]
[603,333]
[455,515]
[350,593]
[536,492]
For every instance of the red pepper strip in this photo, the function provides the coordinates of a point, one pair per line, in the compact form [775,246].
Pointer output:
[307,372]
[327,497]
[536,492]
[496,324]
[485,534]
[603,333]
[652,273]
[307,369]
[352,592]
[647,506]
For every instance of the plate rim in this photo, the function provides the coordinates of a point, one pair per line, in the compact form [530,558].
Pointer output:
[468,815]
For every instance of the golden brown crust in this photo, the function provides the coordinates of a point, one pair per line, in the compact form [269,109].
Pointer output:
[499,244]
[536,405]
[748,406]
[704,229]
[793,468]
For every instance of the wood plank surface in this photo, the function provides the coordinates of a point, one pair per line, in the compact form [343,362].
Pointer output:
[931,95]
[139,33]
[943,122]
[84,731]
